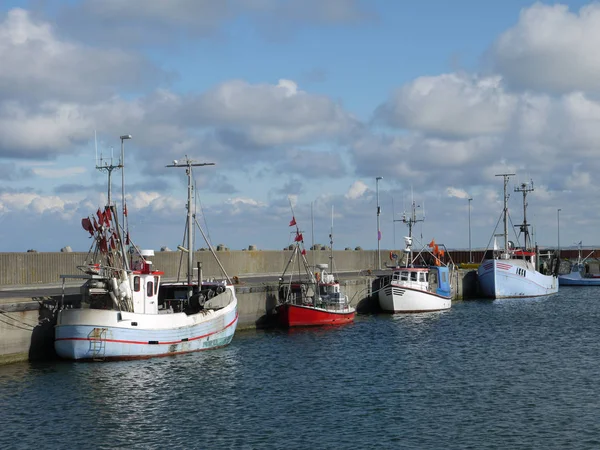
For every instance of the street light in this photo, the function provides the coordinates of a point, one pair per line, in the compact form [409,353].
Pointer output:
[470,258]
[125,136]
[558,228]
[378,231]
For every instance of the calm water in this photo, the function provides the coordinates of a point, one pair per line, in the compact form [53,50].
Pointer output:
[507,374]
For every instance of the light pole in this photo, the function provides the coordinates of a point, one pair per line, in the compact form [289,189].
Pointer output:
[470,258]
[378,231]
[558,228]
[125,136]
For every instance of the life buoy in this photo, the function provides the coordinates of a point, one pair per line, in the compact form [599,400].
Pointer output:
[317,276]
[392,256]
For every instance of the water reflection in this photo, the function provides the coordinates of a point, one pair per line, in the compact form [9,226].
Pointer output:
[482,375]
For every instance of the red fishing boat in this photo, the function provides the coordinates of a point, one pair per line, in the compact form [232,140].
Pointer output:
[308,298]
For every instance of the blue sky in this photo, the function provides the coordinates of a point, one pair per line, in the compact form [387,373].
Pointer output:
[302,99]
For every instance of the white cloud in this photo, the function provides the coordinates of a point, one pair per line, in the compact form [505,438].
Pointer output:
[37,64]
[266,114]
[551,49]
[244,201]
[32,202]
[155,202]
[357,190]
[452,105]
[456,192]
[45,172]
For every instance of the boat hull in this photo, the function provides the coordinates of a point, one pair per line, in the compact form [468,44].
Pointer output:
[290,315]
[94,334]
[575,279]
[499,278]
[396,299]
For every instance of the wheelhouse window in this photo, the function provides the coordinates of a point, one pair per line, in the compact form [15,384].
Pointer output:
[150,289]
[413,276]
[404,276]
[136,284]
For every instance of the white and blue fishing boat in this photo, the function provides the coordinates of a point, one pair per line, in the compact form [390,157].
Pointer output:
[579,274]
[416,288]
[513,272]
[127,313]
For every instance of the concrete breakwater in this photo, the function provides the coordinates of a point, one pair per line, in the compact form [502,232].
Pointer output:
[27,269]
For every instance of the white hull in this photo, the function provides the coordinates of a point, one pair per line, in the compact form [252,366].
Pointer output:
[507,278]
[408,300]
[84,334]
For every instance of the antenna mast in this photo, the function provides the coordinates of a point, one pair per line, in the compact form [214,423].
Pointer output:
[525,188]
[505,210]
[103,165]
[410,221]
[188,164]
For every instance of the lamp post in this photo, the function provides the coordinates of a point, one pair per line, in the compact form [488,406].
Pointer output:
[558,228]
[125,136]
[378,231]
[470,257]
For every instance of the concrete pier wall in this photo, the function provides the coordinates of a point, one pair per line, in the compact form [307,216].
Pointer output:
[28,269]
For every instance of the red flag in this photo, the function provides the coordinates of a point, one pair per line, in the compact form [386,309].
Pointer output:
[86,223]
[102,245]
[107,216]
[298,237]
[432,243]
[96,226]
[293,221]
[100,216]
[125,209]
[304,251]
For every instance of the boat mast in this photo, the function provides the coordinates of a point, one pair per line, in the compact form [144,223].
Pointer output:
[188,164]
[505,210]
[331,244]
[524,227]
[410,221]
[104,166]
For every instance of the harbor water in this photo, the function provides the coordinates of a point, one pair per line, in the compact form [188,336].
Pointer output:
[504,374]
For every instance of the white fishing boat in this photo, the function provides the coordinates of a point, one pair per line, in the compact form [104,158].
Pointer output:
[579,274]
[127,313]
[512,271]
[416,288]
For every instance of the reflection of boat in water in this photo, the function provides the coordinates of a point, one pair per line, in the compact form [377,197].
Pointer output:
[413,288]
[311,298]
[579,273]
[128,313]
[512,272]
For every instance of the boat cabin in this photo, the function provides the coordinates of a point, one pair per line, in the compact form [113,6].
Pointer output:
[145,283]
[434,279]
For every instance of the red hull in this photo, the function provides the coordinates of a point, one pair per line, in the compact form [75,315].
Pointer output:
[289,315]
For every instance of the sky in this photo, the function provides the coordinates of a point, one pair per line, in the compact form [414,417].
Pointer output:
[300,104]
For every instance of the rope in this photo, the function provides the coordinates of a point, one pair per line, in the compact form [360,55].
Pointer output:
[16,326]
[5,313]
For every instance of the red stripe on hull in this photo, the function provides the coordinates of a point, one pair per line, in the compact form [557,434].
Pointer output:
[301,316]
[139,357]
[120,341]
